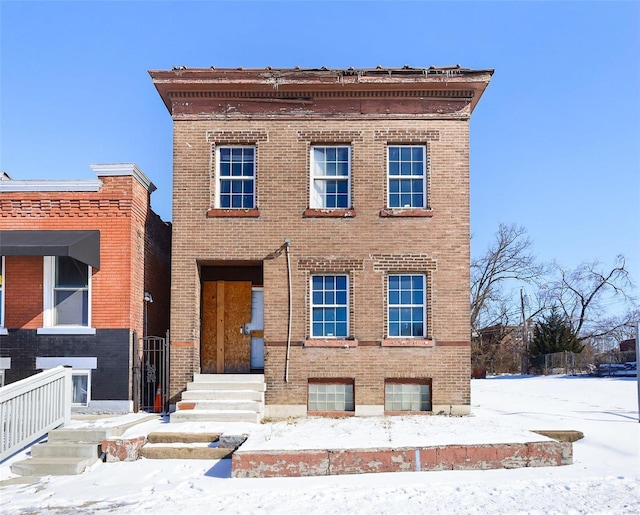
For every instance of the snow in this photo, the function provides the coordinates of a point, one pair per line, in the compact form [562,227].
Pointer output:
[605,476]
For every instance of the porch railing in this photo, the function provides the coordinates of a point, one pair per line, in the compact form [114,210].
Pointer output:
[32,407]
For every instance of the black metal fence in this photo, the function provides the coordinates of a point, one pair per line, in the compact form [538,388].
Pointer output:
[151,374]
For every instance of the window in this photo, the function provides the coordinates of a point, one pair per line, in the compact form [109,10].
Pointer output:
[236,177]
[1,291]
[330,177]
[406,396]
[67,292]
[329,306]
[407,306]
[407,186]
[80,387]
[324,396]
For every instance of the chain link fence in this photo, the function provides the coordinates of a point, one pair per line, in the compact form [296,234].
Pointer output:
[612,363]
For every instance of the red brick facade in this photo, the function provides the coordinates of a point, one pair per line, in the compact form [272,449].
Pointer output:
[134,258]
[282,113]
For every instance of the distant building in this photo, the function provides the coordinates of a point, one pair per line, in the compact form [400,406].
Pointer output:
[321,234]
[628,345]
[76,258]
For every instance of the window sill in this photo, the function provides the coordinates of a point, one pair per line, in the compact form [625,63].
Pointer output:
[406,212]
[407,342]
[3,331]
[331,414]
[66,330]
[329,213]
[400,413]
[326,342]
[233,213]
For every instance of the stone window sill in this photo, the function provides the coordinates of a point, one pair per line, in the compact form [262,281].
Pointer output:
[66,330]
[406,213]
[407,342]
[329,213]
[325,342]
[3,331]
[233,213]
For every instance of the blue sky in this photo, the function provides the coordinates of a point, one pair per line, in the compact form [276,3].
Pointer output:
[555,141]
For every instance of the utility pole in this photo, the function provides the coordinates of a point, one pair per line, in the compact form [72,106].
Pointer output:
[524,368]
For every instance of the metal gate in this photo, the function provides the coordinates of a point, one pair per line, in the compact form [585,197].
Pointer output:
[151,374]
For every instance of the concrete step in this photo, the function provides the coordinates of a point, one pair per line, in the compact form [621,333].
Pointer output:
[224,405]
[178,437]
[84,435]
[224,385]
[55,466]
[216,416]
[229,378]
[65,450]
[222,395]
[185,452]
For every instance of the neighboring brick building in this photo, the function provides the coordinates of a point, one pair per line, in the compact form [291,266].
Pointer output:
[76,258]
[360,180]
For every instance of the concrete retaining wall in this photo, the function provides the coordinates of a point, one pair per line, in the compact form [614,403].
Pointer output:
[296,463]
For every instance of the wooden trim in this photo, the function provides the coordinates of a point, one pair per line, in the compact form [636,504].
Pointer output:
[233,213]
[220,328]
[329,213]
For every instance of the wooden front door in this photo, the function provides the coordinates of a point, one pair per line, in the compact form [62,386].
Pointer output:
[225,346]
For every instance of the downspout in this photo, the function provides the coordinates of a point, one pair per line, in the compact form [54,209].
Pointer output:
[287,243]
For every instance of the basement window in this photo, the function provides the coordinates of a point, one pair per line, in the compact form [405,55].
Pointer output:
[80,387]
[330,395]
[407,394]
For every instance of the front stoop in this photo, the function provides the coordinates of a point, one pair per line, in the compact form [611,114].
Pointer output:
[68,451]
[197,446]
[222,398]
[298,463]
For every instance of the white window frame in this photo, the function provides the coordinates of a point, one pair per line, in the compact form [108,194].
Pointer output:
[422,176]
[78,373]
[48,315]
[220,179]
[316,200]
[410,306]
[335,305]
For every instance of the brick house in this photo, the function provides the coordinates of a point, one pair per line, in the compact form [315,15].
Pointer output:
[321,234]
[76,258]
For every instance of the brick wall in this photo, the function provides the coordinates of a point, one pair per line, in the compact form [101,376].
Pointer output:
[367,246]
[134,258]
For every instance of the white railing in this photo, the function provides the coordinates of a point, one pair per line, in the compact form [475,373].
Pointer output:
[32,407]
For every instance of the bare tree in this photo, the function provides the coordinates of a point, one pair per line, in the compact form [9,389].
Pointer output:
[582,295]
[509,257]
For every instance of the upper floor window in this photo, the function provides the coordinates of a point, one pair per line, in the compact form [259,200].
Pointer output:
[236,177]
[329,306]
[407,176]
[406,306]
[66,292]
[330,177]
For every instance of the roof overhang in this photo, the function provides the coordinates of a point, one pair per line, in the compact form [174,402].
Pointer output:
[286,82]
[81,245]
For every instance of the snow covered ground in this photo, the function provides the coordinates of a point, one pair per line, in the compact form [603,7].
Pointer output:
[605,476]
